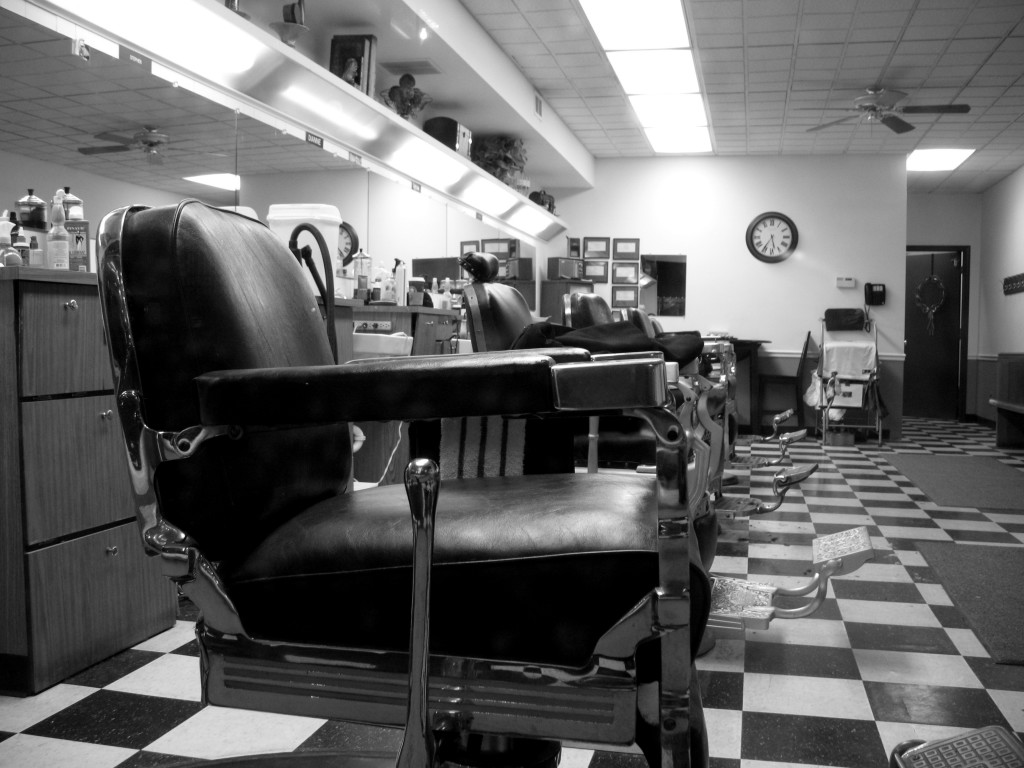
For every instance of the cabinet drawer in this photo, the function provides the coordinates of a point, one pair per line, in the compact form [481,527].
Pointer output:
[92,597]
[62,344]
[74,467]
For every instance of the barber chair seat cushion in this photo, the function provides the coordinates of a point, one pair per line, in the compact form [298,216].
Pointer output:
[519,578]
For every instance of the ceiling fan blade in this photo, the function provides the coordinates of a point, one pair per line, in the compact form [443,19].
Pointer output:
[115,138]
[833,122]
[104,150]
[895,124]
[938,109]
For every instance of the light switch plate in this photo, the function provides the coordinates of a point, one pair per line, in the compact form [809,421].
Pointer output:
[846,282]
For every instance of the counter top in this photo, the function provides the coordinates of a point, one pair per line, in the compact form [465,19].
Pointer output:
[42,275]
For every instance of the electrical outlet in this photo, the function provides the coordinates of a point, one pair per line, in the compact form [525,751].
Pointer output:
[374,326]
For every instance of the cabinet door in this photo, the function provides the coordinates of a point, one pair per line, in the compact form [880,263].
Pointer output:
[75,470]
[432,334]
[62,344]
[92,597]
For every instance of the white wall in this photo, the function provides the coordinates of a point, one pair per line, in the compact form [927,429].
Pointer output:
[1001,318]
[850,212]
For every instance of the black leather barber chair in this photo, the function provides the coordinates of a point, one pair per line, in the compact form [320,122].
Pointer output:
[566,607]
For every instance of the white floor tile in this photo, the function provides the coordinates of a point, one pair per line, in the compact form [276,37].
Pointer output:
[968,525]
[915,668]
[825,632]
[726,656]
[17,713]
[780,526]
[810,696]
[780,552]
[911,558]
[171,676]
[575,758]
[1010,703]
[907,532]
[896,733]
[223,732]
[181,633]
[730,566]
[884,572]
[24,751]
[967,643]
[876,612]
[725,730]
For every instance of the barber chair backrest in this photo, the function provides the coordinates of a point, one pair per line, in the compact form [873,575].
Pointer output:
[641,320]
[497,313]
[194,289]
[587,309]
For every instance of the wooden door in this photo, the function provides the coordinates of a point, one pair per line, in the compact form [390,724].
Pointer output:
[934,379]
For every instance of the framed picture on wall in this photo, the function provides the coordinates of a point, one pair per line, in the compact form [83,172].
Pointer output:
[625,296]
[469,246]
[625,272]
[572,248]
[596,271]
[626,248]
[595,248]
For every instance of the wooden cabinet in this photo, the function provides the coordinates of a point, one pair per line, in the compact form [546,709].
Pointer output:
[77,585]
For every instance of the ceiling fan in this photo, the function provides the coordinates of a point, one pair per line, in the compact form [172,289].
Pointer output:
[149,140]
[881,105]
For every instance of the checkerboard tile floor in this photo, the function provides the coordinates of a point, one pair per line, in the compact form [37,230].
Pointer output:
[887,658]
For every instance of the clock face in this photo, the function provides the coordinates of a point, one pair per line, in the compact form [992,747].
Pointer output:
[348,243]
[771,237]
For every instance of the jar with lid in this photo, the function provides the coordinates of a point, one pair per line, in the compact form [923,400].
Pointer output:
[362,266]
[74,206]
[32,211]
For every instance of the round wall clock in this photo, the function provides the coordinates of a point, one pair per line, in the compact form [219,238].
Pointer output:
[348,243]
[771,237]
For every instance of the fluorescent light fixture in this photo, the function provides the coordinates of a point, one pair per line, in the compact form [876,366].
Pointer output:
[679,141]
[683,110]
[528,218]
[228,181]
[937,159]
[300,96]
[425,164]
[637,24]
[488,198]
[667,71]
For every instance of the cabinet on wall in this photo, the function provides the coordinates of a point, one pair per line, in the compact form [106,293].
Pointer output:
[77,585]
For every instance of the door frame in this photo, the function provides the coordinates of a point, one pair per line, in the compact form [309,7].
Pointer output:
[965,297]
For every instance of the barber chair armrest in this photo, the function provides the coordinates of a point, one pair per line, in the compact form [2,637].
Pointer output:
[428,387]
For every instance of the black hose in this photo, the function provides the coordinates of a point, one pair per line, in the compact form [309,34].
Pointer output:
[304,256]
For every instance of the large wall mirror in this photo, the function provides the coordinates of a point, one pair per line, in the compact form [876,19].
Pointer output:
[663,287]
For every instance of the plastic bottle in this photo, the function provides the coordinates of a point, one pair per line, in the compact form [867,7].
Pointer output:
[35,253]
[21,245]
[8,256]
[58,246]
[401,283]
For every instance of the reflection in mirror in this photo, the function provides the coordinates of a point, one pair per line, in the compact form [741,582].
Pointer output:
[665,291]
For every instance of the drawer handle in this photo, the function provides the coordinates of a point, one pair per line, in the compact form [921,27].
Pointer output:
[70,305]
[112,551]
[107,414]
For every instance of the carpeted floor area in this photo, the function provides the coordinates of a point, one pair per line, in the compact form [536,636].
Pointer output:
[964,481]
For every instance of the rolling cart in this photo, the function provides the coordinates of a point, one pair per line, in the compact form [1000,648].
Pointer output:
[849,374]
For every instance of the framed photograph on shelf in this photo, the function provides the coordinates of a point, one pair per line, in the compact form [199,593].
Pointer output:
[596,271]
[595,247]
[469,246]
[353,60]
[625,296]
[625,272]
[626,248]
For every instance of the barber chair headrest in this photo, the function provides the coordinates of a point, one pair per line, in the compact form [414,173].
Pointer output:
[482,267]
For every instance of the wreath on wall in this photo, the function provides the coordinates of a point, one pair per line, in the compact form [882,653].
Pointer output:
[929,297]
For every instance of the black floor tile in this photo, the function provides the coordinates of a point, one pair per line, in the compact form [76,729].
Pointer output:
[851,589]
[810,660]
[950,617]
[997,677]
[617,760]
[116,719]
[5,735]
[145,759]
[986,537]
[114,668]
[721,690]
[814,740]
[885,637]
[933,705]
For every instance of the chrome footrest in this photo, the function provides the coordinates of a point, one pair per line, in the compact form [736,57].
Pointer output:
[740,506]
[737,604]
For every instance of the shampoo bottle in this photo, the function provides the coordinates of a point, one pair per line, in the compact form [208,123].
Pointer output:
[35,253]
[58,247]
[8,256]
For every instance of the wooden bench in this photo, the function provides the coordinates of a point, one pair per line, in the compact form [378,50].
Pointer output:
[1009,401]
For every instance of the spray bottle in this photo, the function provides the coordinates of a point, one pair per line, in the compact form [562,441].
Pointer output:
[58,244]
[401,283]
[8,256]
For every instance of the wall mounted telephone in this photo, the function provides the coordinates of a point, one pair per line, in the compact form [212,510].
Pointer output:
[874,294]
